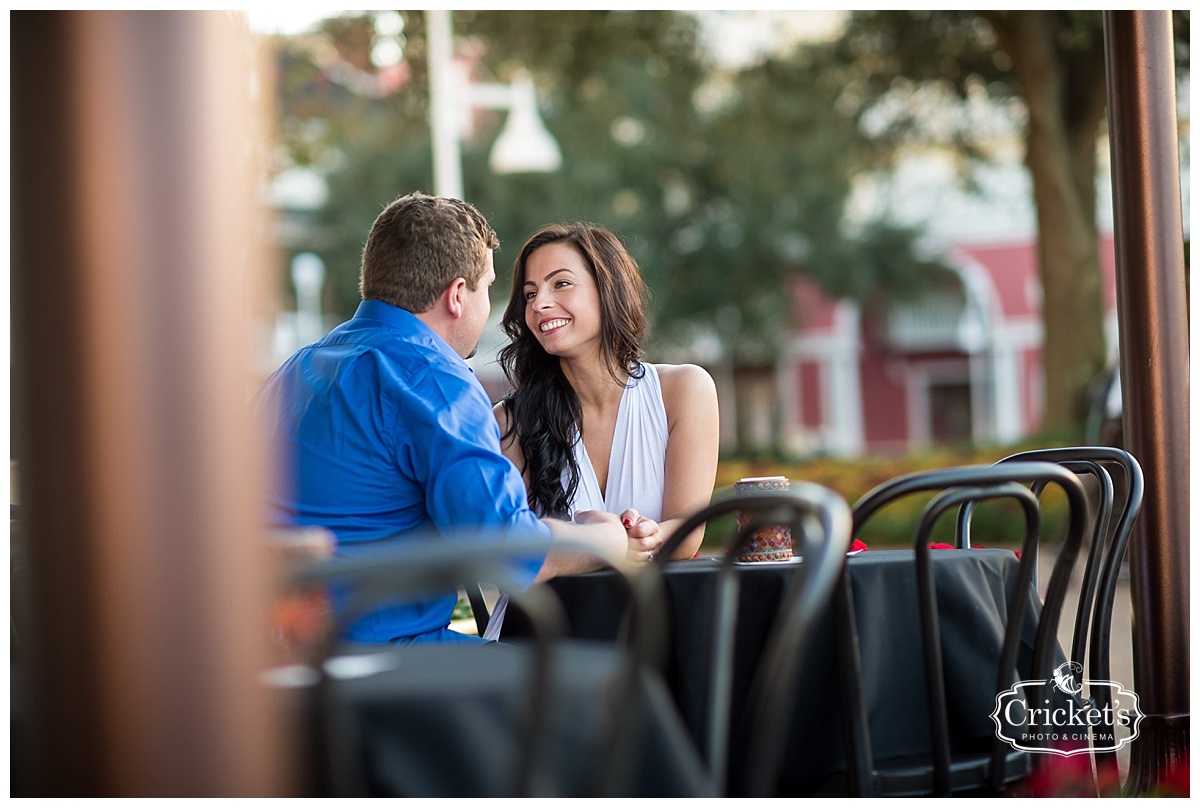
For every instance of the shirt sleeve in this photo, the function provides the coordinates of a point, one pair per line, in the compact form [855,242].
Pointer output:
[453,448]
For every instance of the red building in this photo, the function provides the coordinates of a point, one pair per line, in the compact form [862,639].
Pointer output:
[961,362]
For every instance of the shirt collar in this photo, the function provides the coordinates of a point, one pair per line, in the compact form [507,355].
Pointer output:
[403,321]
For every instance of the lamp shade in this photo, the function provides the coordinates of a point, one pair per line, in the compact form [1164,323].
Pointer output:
[524,145]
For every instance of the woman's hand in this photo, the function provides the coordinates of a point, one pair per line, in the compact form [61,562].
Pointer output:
[643,534]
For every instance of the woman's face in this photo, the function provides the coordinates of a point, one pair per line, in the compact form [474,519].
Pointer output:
[562,303]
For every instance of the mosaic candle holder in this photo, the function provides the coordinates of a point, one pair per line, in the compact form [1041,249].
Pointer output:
[771,542]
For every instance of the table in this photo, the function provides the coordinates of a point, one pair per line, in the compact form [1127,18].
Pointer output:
[439,721]
[972,587]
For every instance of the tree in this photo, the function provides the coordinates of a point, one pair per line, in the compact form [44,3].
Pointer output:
[726,184]
[616,90]
[1053,61]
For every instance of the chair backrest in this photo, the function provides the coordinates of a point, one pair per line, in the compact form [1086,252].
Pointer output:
[479,607]
[955,487]
[819,520]
[1093,621]
[419,567]
[1100,521]
[930,634]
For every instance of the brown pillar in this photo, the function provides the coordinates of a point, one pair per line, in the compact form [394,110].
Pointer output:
[1152,305]
[134,274]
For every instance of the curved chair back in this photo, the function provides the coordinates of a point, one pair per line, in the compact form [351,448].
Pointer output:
[1100,522]
[1006,673]
[1030,472]
[819,520]
[1105,557]
[955,487]
[419,567]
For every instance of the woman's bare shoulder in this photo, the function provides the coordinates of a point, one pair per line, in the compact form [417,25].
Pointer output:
[691,378]
[686,385]
[508,442]
[500,411]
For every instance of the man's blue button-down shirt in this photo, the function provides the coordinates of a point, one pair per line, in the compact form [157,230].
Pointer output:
[384,429]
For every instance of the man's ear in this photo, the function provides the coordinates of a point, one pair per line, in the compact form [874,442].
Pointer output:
[454,295]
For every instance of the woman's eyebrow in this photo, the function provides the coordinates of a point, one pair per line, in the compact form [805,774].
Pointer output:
[548,276]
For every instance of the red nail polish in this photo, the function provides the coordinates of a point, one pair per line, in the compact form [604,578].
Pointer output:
[627,523]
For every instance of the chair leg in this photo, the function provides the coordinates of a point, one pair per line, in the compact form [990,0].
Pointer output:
[856,730]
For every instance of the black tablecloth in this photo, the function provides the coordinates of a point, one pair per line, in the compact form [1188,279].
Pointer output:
[445,721]
[972,587]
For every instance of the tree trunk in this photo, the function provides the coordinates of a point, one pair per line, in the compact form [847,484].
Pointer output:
[1064,92]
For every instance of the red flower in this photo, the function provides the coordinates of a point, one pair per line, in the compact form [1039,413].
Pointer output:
[1069,776]
[858,544]
[938,545]
[1175,780]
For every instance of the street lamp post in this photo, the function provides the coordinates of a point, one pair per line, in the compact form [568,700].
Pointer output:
[524,145]
[308,276]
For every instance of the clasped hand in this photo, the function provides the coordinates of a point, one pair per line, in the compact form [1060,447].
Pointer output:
[643,534]
[643,537]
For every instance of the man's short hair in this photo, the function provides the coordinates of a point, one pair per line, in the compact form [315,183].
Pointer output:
[418,245]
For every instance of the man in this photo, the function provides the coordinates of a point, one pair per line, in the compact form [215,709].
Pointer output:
[385,429]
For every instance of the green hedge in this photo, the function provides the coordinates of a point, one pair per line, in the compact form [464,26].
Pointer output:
[995,524]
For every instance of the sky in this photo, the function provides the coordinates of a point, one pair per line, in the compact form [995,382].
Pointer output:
[736,37]
[285,18]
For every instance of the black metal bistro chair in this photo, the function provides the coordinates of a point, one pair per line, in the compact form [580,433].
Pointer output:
[1092,635]
[946,770]
[819,520]
[545,717]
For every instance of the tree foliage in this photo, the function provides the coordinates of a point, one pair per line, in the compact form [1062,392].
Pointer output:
[724,183]
[1052,63]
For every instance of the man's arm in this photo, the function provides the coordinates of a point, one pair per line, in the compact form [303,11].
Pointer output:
[592,528]
[602,533]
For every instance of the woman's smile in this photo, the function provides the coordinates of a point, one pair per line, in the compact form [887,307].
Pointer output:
[562,303]
[549,326]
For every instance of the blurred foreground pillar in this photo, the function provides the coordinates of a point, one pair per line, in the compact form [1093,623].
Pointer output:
[1154,375]
[133,265]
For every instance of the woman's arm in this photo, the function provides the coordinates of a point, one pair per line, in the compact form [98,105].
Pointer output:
[693,433]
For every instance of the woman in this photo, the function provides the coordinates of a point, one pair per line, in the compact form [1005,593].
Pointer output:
[589,424]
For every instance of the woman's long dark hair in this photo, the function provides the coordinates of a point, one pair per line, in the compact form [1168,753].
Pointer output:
[543,410]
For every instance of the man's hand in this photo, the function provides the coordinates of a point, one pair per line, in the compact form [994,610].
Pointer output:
[607,531]
[601,532]
[596,518]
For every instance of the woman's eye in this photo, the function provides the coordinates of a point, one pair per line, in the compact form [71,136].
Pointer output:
[529,296]
[561,284]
